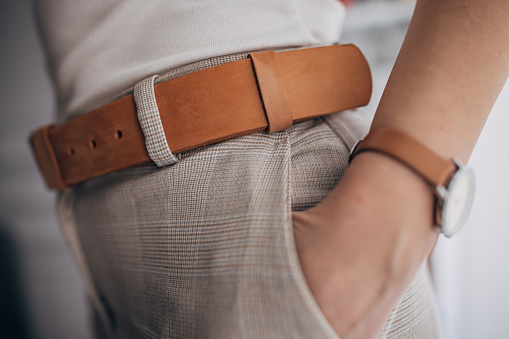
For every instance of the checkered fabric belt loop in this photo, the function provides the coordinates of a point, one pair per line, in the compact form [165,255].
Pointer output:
[150,122]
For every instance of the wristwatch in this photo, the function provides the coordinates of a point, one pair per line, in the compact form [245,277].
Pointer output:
[451,182]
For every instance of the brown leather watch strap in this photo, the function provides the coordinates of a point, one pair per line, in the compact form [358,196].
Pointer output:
[205,107]
[435,169]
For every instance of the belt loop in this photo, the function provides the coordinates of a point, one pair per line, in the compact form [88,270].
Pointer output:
[272,90]
[150,122]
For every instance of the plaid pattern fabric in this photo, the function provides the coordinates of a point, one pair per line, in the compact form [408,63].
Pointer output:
[204,248]
[150,122]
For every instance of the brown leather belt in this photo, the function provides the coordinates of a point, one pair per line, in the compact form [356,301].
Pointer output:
[268,91]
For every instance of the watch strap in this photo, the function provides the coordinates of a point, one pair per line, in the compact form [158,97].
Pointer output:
[435,169]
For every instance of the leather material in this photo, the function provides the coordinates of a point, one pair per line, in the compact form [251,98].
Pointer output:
[46,159]
[208,106]
[435,169]
[272,91]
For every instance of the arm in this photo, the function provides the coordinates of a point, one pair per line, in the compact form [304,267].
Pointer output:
[362,245]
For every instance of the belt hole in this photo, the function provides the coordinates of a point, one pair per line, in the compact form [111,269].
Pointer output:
[70,151]
[118,134]
[93,144]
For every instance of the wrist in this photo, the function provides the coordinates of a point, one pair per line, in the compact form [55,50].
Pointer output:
[380,185]
[398,207]
[451,182]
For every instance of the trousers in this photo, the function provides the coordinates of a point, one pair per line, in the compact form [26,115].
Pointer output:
[204,248]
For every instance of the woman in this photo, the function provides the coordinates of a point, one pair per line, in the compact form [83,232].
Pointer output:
[205,247]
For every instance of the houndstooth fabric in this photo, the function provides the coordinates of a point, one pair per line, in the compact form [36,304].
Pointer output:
[204,248]
[151,125]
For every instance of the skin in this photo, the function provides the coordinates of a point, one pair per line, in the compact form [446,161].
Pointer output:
[361,246]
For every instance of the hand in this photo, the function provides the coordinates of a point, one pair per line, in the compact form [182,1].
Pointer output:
[361,246]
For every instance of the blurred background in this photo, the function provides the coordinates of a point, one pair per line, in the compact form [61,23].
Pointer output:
[41,292]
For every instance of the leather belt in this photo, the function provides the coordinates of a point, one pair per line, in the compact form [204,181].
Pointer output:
[267,91]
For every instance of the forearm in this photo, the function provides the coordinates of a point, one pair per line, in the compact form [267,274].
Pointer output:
[361,245]
[452,65]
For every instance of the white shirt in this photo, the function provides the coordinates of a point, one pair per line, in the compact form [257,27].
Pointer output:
[98,48]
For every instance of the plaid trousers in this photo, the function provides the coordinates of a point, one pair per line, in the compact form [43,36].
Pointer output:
[204,248]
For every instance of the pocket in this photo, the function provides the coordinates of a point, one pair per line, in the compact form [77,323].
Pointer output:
[317,319]
[316,163]
[319,157]
[415,312]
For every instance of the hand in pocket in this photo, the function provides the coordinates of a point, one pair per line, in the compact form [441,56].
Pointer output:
[361,246]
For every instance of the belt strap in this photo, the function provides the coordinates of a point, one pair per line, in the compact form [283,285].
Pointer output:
[266,91]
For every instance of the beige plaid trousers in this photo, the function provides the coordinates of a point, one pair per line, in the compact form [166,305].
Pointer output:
[204,248]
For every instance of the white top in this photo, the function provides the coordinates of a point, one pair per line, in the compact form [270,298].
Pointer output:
[98,48]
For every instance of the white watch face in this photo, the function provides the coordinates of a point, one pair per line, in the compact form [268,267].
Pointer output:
[458,201]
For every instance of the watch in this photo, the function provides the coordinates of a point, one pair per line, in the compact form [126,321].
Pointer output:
[451,182]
